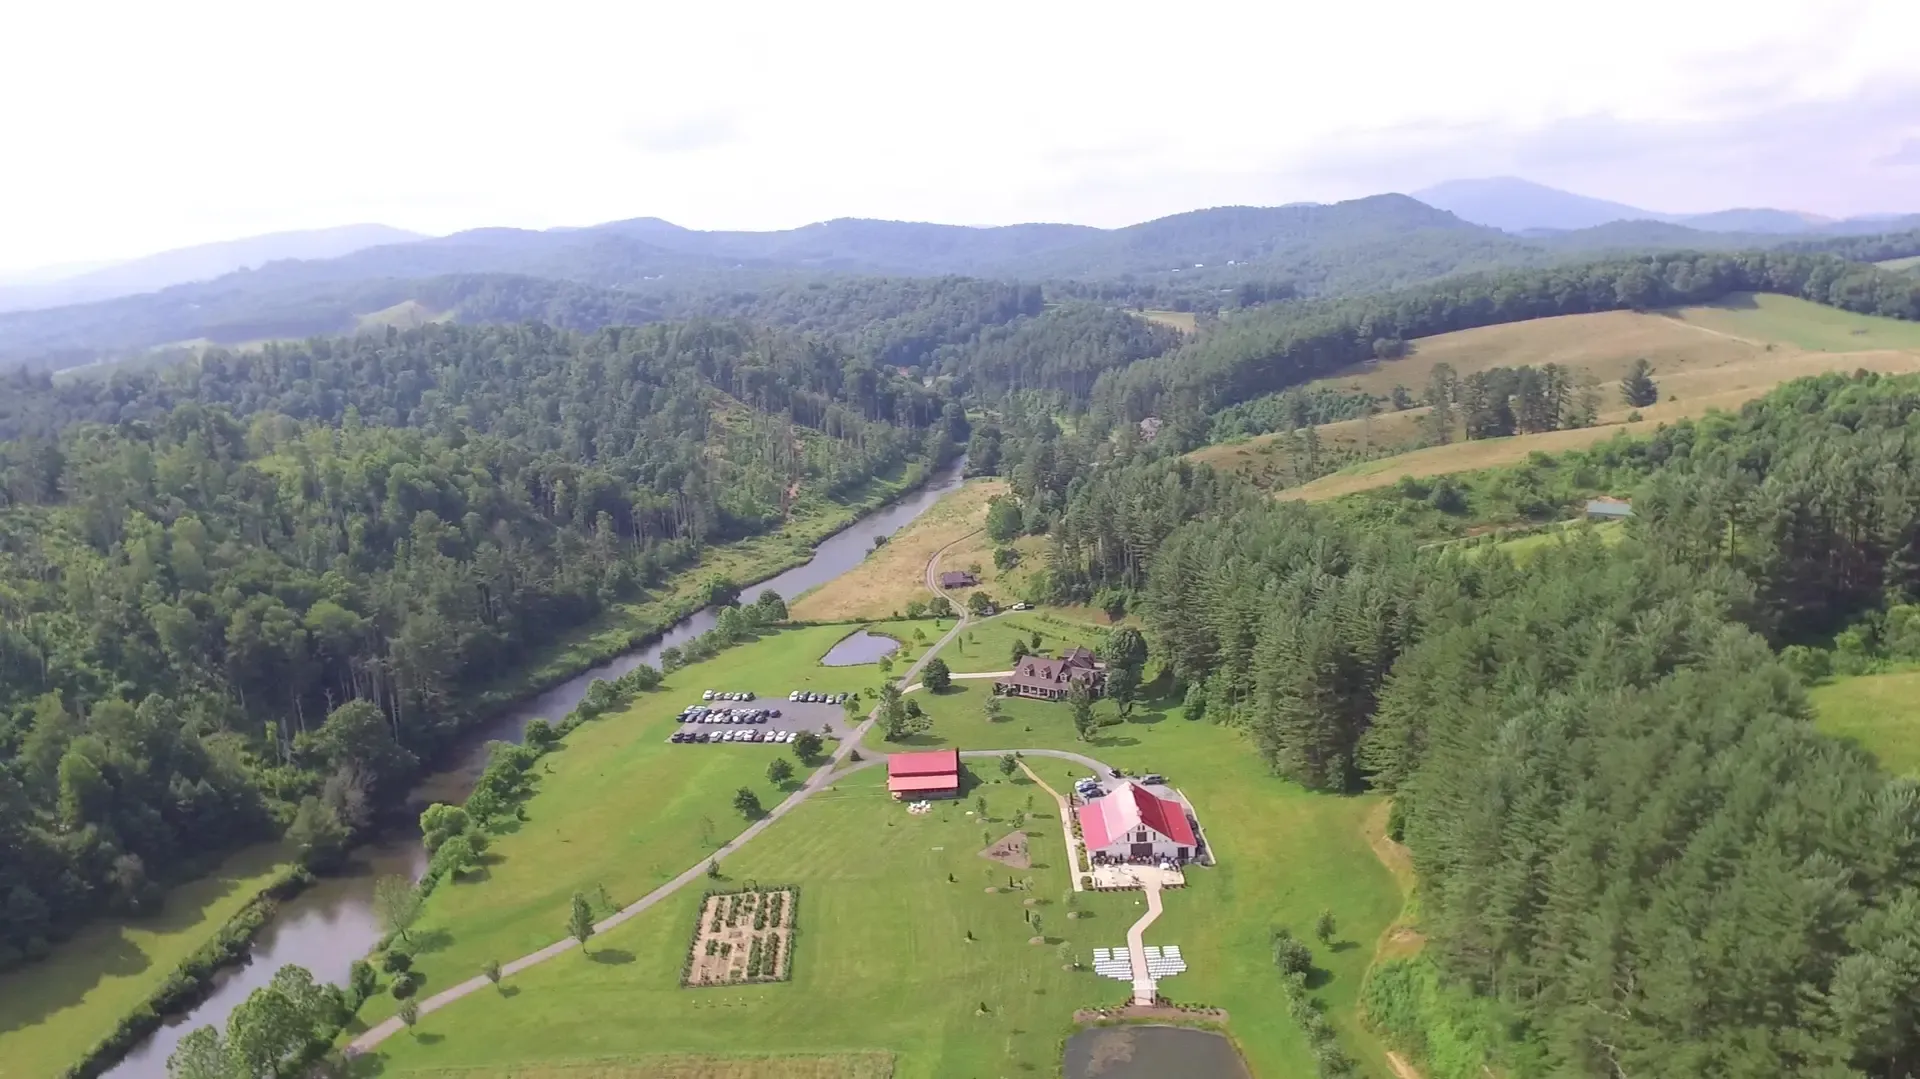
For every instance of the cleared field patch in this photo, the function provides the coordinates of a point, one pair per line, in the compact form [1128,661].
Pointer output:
[1179,320]
[1909,264]
[691,1066]
[1268,460]
[405,315]
[1699,392]
[744,936]
[53,1011]
[894,574]
[1880,712]
[1604,344]
[1811,326]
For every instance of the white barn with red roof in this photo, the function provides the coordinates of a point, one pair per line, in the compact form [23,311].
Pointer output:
[1133,822]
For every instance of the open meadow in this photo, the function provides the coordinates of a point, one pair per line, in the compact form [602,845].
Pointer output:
[54,1010]
[1704,358]
[894,574]
[1880,712]
[908,943]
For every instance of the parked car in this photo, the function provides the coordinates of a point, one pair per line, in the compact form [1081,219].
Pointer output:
[707,696]
[1115,773]
[748,695]
[1154,779]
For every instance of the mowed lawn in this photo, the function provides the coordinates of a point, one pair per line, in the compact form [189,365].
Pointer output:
[1802,323]
[888,899]
[619,807]
[882,957]
[895,573]
[694,1066]
[53,1011]
[988,645]
[1880,712]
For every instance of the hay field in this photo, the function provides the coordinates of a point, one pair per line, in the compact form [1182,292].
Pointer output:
[894,574]
[1183,321]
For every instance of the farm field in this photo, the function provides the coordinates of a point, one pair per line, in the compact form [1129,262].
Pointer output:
[53,1011]
[619,808]
[1880,712]
[1789,321]
[1910,264]
[1699,392]
[1267,459]
[894,574]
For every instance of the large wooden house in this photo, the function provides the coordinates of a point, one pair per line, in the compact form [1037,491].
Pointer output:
[1042,678]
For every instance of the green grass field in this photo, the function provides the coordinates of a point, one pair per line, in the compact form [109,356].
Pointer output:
[618,808]
[1910,264]
[52,1012]
[990,647]
[1880,712]
[883,961]
[1802,323]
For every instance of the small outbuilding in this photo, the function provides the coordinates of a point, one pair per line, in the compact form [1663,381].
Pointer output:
[1609,509]
[958,578]
[934,774]
[1132,823]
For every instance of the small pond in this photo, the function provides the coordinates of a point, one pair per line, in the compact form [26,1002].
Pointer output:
[1147,1052]
[857,648]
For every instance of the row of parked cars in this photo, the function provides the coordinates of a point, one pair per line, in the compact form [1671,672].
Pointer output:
[727,695]
[808,696]
[1089,788]
[734,734]
[700,713]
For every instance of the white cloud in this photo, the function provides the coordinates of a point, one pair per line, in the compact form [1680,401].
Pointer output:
[134,126]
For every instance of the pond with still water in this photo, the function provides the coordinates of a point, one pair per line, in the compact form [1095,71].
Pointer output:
[857,648]
[1152,1053]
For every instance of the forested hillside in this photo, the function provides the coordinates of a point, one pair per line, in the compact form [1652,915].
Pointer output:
[261,591]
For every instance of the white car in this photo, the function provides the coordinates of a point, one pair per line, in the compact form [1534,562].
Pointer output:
[707,696]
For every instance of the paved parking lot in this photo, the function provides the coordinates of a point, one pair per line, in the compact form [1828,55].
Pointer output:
[794,716]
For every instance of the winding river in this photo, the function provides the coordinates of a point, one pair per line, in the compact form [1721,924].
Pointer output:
[331,924]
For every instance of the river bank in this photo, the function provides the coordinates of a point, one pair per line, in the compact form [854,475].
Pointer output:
[330,924]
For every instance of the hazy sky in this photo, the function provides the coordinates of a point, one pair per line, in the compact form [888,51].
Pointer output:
[133,127]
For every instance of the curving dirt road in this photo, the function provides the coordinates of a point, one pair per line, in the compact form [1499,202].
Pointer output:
[821,777]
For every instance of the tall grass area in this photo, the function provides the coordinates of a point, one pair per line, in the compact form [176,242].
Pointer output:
[1449,1032]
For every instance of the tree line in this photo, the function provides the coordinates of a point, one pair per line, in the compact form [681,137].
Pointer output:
[273,586]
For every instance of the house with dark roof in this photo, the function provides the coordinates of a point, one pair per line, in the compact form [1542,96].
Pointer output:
[1133,822]
[1045,679]
[958,578]
[934,774]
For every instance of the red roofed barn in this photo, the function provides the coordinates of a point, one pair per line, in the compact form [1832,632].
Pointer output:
[1133,822]
[924,775]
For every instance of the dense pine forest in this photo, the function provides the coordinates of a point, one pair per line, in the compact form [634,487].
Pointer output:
[264,591]
[1635,852]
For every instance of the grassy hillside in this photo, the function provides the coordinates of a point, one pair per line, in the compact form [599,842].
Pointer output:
[1704,358]
[1910,264]
[894,574]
